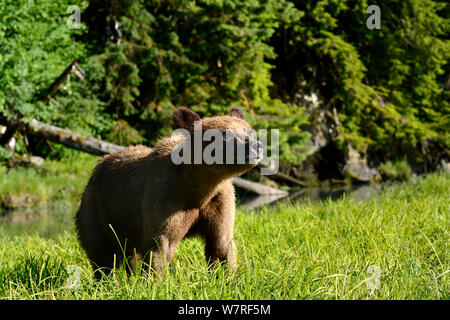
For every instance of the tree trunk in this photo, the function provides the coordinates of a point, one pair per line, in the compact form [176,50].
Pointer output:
[64,136]
[257,188]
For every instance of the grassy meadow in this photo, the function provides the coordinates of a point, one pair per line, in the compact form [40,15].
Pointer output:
[393,246]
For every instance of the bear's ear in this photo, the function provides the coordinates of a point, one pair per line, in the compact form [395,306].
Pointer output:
[184,118]
[236,112]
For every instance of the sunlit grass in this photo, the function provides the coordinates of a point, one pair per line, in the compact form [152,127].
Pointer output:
[323,250]
[53,179]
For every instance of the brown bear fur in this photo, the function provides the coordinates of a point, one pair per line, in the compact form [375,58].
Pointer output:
[138,202]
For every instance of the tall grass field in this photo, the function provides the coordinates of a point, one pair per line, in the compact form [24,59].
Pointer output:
[393,246]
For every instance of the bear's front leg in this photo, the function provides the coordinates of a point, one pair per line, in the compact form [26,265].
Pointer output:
[217,229]
[161,255]
[165,243]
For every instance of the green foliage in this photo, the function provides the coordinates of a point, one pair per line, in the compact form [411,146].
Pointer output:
[397,171]
[207,55]
[4,153]
[124,134]
[385,84]
[145,58]
[289,120]
[36,46]
[79,107]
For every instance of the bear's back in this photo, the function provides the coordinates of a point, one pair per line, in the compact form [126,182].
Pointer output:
[127,155]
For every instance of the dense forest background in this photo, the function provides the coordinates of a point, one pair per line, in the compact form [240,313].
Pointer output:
[345,98]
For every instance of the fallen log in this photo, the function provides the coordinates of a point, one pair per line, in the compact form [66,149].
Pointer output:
[260,201]
[65,137]
[257,188]
[280,176]
[71,139]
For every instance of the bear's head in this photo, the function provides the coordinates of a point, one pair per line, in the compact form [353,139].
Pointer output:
[223,144]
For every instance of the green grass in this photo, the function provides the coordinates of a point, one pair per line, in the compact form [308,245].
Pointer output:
[55,178]
[323,250]
[57,189]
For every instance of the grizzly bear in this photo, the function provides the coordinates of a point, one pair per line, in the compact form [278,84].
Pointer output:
[138,205]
